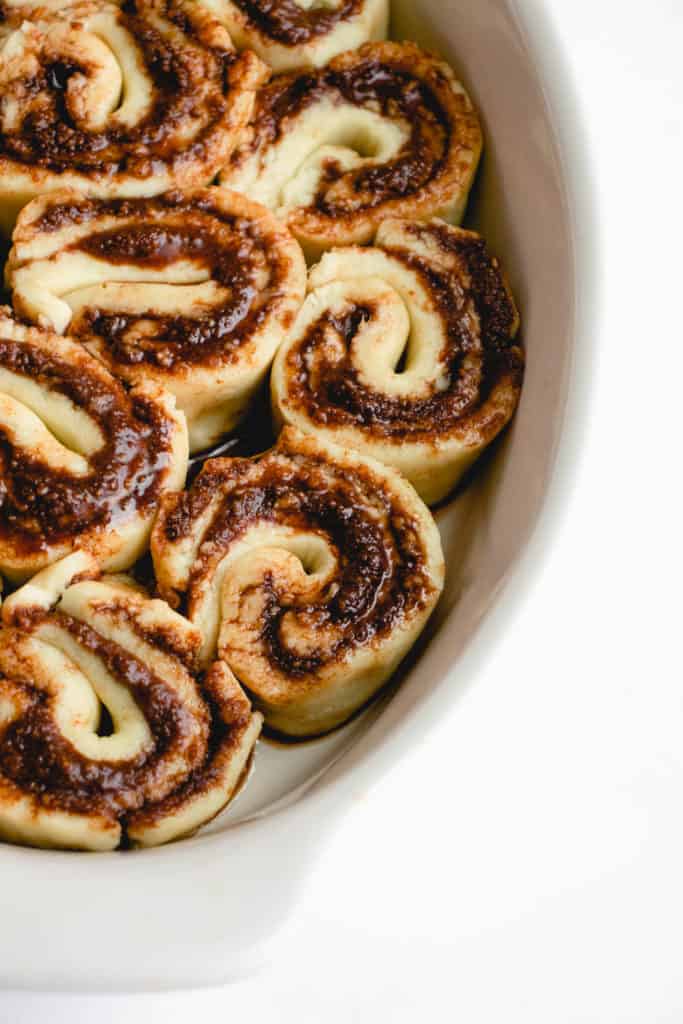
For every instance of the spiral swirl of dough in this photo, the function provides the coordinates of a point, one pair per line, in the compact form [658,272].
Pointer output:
[311,570]
[405,351]
[194,290]
[107,732]
[292,34]
[385,131]
[117,100]
[83,463]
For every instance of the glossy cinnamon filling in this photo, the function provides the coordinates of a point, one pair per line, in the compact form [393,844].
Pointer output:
[233,251]
[388,88]
[40,505]
[40,760]
[179,69]
[381,576]
[478,354]
[286,22]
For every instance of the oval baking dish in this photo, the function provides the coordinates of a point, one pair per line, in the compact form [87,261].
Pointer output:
[200,911]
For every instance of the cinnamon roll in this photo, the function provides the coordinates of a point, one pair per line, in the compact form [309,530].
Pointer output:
[107,731]
[385,131]
[83,463]
[311,571]
[194,290]
[291,34]
[405,351]
[117,99]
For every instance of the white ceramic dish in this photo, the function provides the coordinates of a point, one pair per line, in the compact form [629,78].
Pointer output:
[200,911]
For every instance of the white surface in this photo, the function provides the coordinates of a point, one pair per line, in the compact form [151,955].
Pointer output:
[525,863]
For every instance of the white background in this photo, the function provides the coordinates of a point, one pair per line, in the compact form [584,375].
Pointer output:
[525,864]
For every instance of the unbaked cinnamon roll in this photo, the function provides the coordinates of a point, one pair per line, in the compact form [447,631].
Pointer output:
[83,463]
[311,571]
[385,131]
[405,351]
[117,99]
[291,34]
[194,290]
[108,734]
